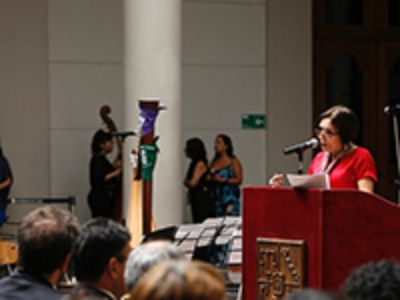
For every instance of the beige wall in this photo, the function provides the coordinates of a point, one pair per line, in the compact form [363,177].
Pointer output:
[224,77]
[24,113]
[289,80]
[86,72]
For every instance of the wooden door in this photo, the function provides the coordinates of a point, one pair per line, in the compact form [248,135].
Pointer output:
[359,43]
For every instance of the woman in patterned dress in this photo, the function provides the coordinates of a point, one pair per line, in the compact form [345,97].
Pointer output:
[227,175]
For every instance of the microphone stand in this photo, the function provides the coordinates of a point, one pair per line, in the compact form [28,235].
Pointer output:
[391,109]
[300,159]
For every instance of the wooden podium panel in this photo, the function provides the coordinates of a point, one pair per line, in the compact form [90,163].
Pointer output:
[341,229]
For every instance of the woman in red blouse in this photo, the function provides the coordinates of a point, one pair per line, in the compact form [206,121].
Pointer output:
[349,166]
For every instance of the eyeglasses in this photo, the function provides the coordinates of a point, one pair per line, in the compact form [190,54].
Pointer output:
[325,131]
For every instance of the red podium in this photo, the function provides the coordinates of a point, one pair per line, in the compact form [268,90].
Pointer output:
[341,229]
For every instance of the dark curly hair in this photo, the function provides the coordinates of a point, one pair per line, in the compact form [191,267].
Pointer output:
[374,281]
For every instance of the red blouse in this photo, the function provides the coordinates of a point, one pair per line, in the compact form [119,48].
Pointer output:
[356,165]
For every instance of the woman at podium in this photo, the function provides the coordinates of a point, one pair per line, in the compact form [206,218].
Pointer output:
[349,166]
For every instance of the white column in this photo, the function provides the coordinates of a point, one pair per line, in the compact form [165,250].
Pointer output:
[153,70]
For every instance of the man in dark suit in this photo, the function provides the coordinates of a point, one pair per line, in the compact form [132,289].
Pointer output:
[45,239]
[99,258]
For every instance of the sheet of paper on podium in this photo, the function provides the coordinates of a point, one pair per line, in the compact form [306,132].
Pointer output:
[320,181]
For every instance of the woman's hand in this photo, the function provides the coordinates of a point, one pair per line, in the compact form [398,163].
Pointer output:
[276,180]
[220,179]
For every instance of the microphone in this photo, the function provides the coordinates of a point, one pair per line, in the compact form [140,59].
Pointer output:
[123,134]
[311,143]
[391,108]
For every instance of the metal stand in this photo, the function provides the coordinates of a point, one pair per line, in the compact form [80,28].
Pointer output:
[392,109]
[300,161]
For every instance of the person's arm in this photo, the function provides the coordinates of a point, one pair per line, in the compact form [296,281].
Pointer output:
[113,174]
[199,171]
[102,171]
[366,185]
[6,183]
[238,173]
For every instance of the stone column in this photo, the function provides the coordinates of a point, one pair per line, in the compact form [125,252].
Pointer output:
[153,70]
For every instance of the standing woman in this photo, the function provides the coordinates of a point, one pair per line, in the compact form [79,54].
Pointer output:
[227,174]
[201,193]
[104,176]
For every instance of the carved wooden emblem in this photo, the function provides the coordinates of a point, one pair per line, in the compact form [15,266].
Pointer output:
[280,267]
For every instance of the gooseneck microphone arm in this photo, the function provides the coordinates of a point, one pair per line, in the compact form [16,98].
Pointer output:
[299,149]
[123,134]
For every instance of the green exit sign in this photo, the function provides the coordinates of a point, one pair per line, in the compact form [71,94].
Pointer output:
[253,121]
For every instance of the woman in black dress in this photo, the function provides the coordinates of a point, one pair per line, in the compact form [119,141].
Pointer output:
[201,193]
[104,176]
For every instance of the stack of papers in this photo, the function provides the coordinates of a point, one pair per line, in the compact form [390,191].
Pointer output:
[319,181]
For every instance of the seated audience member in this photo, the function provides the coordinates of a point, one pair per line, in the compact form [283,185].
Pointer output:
[45,238]
[374,281]
[180,280]
[310,294]
[147,255]
[98,260]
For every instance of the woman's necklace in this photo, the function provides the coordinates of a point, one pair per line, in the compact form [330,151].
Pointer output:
[330,163]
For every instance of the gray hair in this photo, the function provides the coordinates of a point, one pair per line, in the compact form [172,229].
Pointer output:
[313,294]
[147,255]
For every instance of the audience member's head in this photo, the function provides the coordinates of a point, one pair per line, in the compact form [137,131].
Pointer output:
[147,255]
[374,281]
[180,280]
[311,294]
[100,254]
[45,238]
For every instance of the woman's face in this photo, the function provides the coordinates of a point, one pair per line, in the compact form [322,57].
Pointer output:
[328,136]
[219,145]
[107,147]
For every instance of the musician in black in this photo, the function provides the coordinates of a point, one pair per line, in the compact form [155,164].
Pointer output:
[104,176]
